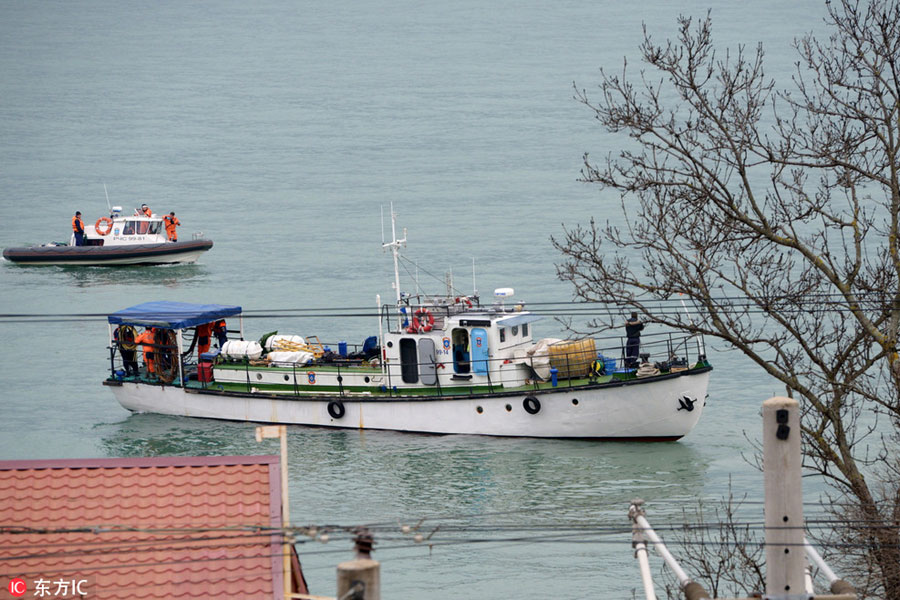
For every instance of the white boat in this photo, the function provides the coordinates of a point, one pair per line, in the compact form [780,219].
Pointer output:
[115,240]
[439,364]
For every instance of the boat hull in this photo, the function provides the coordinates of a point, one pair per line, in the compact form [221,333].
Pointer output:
[139,254]
[662,409]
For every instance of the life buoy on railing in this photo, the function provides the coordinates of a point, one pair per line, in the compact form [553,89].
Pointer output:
[425,319]
[464,300]
[103,221]
[422,321]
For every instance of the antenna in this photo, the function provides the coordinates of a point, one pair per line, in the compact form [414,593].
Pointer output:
[107,198]
[701,347]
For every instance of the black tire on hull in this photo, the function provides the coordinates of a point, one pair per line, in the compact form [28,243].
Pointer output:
[336,410]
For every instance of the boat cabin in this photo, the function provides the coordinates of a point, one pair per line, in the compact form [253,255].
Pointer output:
[457,342]
[122,230]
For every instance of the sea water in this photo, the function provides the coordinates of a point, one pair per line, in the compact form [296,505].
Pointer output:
[284,131]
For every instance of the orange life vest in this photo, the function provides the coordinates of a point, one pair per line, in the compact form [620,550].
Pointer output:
[77,225]
[203,332]
[146,340]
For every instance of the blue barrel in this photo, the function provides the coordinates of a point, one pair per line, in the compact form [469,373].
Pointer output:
[342,348]
[554,377]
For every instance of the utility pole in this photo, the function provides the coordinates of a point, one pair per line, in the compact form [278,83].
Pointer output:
[360,579]
[280,431]
[785,559]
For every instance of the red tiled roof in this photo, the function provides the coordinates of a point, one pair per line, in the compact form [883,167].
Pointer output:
[168,527]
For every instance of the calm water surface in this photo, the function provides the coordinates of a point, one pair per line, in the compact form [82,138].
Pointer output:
[280,129]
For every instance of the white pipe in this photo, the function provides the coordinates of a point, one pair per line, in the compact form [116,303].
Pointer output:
[640,552]
[683,578]
[178,342]
[380,335]
[819,562]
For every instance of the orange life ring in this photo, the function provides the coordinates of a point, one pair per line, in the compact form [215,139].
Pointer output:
[424,319]
[103,220]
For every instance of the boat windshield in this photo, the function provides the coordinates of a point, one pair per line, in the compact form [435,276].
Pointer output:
[141,227]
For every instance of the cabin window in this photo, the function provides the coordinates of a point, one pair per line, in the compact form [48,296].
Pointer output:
[155,227]
[409,362]
[502,334]
[515,330]
[524,329]
[461,362]
[129,228]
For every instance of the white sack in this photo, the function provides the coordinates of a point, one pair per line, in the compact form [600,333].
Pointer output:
[287,359]
[242,349]
[288,340]
[537,357]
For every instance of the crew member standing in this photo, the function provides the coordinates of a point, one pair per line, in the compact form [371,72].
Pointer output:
[202,334]
[221,331]
[78,228]
[146,339]
[171,223]
[143,226]
[124,338]
[633,327]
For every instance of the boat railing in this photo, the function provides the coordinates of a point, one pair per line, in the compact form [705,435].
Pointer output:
[669,352]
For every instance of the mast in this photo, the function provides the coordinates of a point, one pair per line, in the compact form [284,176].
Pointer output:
[395,245]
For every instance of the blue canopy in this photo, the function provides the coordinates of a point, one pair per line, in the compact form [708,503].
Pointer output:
[172,315]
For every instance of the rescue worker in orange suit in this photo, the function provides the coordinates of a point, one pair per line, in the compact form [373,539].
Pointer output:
[203,332]
[78,228]
[146,339]
[221,331]
[143,226]
[171,222]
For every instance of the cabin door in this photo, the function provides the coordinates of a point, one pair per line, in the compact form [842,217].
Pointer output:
[461,351]
[427,370]
[479,351]
[409,364]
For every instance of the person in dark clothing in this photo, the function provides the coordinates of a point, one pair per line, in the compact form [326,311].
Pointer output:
[125,340]
[220,329]
[78,228]
[633,327]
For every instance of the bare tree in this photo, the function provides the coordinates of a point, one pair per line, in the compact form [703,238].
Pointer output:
[777,214]
[729,553]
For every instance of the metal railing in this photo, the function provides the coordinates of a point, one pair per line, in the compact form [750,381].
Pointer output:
[569,369]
